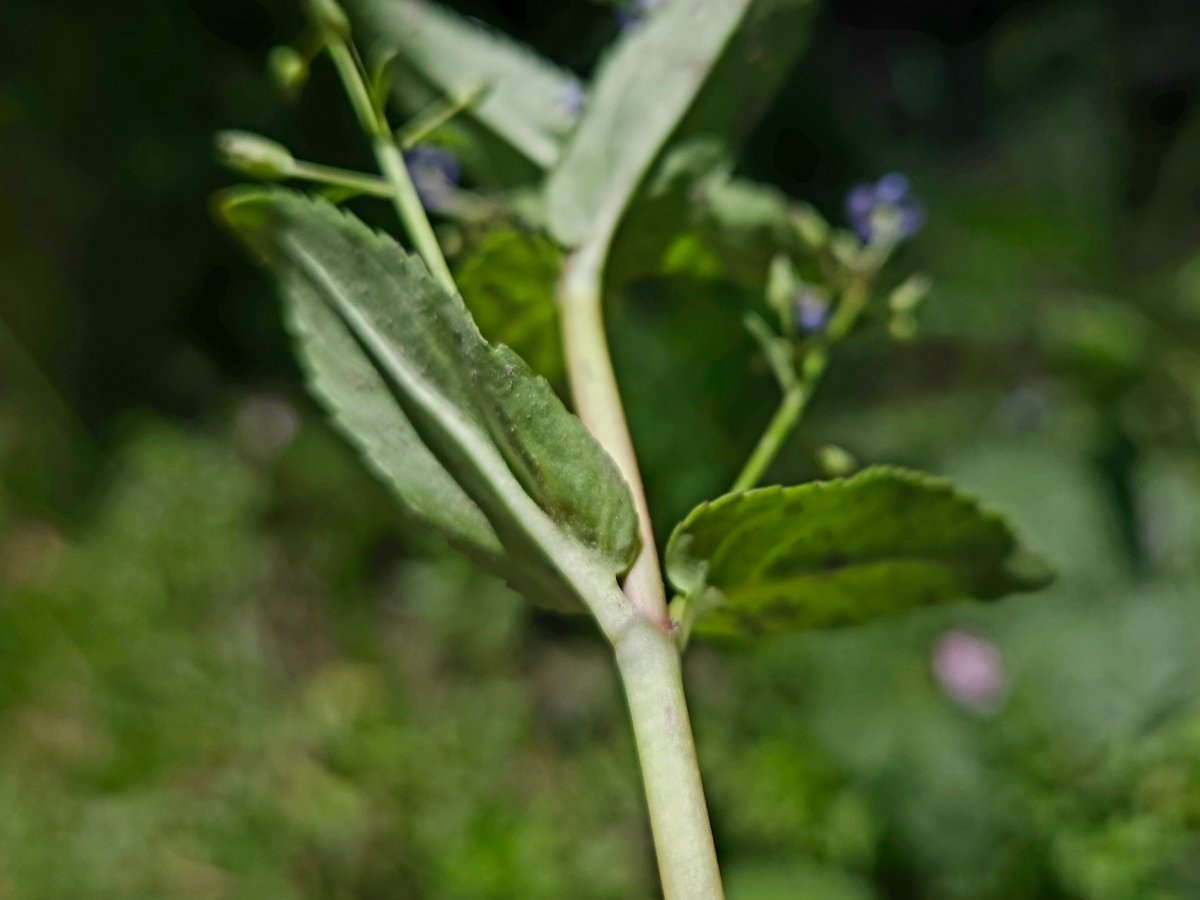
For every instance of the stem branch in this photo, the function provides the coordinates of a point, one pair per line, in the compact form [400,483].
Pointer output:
[391,163]
[798,391]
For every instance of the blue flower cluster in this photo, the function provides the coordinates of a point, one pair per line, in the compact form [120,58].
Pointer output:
[886,210]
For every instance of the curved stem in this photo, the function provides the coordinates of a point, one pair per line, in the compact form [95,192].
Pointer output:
[649,663]
[391,163]
[598,403]
[647,656]
[791,408]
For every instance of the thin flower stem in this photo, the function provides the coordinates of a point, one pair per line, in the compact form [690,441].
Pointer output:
[391,162]
[354,181]
[432,119]
[786,417]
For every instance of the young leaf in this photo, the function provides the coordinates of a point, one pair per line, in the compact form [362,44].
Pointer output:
[841,552]
[404,369]
[529,102]
[508,283]
[694,67]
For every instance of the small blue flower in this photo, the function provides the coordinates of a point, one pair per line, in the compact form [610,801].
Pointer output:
[435,174]
[810,311]
[887,210]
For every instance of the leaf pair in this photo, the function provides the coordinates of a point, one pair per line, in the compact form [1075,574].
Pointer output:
[477,447]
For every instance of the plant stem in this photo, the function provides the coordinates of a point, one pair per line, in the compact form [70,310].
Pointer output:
[649,663]
[791,408]
[355,181]
[391,163]
[434,118]
[598,403]
[647,655]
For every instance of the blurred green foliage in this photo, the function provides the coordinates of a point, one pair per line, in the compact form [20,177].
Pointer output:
[228,670]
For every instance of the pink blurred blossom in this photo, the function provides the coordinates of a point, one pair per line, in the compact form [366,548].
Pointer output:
[970,671]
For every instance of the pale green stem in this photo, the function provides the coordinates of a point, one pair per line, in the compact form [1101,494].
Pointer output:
[431,120]
[598,403]
[647,656]
[649,663]
[391,163]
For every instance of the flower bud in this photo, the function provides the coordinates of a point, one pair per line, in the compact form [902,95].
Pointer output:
[908,296]
[288,70]
[781,288]
[254,155]
[836,462]
[810,226]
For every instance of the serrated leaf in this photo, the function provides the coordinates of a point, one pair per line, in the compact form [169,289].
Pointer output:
[841,552]
[694,67]
[530,102]
[508,282]
[507,474]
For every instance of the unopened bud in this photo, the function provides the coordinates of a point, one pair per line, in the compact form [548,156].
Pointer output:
[288,70]
[811,226]
[845,248]
[836,462]
[254,155]
[329,16]
[781,287]
[908,296]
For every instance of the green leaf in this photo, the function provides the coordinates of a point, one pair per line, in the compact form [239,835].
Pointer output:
[508,282]
[841,552]
[475,445]
[529,100]
[694,67]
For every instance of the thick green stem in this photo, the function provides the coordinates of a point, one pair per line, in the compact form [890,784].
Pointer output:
[598,403]
[391,163]
[647,655]
[649,664]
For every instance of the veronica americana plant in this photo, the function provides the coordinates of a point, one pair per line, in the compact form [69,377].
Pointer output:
[569,179]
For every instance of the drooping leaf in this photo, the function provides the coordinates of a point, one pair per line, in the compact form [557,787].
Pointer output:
[694,67]
[530,103]
[841,552]
[475,445]
[508,282]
